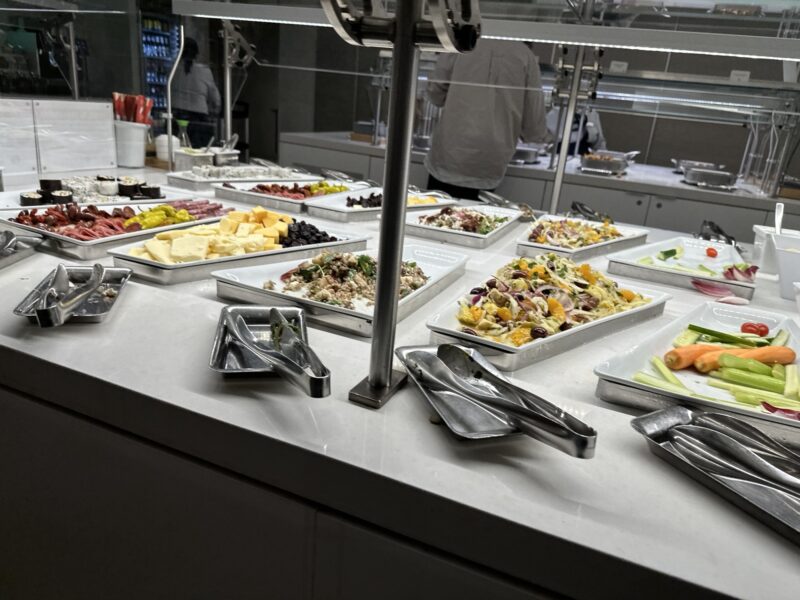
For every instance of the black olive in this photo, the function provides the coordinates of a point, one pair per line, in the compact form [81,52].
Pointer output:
[565,326]
[538,332]
[477,290]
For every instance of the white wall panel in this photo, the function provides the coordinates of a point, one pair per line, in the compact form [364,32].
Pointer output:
[18,141]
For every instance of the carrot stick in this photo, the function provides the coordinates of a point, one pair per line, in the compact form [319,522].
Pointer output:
[683,357]
[771,355]
[709,361]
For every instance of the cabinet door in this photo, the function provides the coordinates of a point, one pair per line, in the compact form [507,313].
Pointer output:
[686,216]
[314,159]
[522,189]
[623,207]
[353,562]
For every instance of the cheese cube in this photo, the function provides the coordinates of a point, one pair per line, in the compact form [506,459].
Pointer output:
[245,229]
[238,216]
[283,228]
[159,250]
[171,235]
[286,219]
[271,232]
[227,225]
[189,248]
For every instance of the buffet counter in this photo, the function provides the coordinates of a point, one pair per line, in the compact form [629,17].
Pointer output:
[325,491]
[646,195]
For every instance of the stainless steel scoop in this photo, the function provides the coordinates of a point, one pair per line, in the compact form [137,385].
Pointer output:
[57,305]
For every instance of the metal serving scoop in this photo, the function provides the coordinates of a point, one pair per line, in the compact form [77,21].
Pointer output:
[432,372]
[313,381]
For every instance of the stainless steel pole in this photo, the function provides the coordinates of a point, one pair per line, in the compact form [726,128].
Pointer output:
[171,157]
[566,129]
[228,88]
[73,60]
[382,380]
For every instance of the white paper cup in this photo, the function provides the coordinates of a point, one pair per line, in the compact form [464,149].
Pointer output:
[787,250]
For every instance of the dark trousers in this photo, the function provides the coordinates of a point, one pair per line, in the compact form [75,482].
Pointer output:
[200,128]
[456,191]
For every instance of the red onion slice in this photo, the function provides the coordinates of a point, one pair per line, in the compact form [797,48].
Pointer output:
[783,412]
[711,289]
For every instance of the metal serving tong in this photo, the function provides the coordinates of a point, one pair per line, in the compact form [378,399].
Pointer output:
[710,231]
[10,241]
[465,372]
[528,214]
[583,210]
[59,302]
[345,178]
[293,359]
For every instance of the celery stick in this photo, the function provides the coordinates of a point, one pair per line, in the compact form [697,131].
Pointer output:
[779,372]
[728,337]
[747,398]
[715,374]
[780,339]
[732,387]
[686,338]
[756,398]
[664,371]
[792,388]
[656,382]
[761,382]
[745,364]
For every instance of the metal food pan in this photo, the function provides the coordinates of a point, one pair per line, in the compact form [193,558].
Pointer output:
[334,206]
[258,321]
[26,246]
[447,266]
[548,347]
[274,202]
[92,249]
[95,308]
[631,237]
[463,238]
[183,272]
[182,179]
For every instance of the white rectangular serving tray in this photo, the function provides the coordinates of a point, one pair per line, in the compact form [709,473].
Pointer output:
[247,285]
[626,263]
[334,207]
[616,384]
[631,236]
[506,357]
[463,238]
[92,249]
[185,179]
[156,272]
[240,192]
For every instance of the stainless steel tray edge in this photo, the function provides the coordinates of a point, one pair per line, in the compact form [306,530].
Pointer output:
[355,324]
[341,215]
[256,199]
[440,234]
[581,254]
[513,361]
[682,280]
[615,392]
[202,271]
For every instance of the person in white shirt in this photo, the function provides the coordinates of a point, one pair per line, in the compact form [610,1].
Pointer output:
[195,96]
[491,97]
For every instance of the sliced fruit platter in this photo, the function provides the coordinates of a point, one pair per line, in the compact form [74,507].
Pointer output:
[533,308]
[87,231]
[365,204]
[257,235]
[724,357]
[577,238]
[713,268]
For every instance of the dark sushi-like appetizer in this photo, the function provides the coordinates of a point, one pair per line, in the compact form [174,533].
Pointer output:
[61,196]
[50,185]
[31,199]
[151,191]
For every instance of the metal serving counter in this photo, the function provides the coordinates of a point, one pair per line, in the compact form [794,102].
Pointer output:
[127,419]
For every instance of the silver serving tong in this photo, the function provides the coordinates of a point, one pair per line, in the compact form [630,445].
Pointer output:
[534,417]
[295,361]
[345,178]
[413,189]
[493,199]
[58,303]
[746,434]
[8,243]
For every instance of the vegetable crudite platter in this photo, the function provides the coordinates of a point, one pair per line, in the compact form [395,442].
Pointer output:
[202,177]
[288,196]
[732,359]
[258,236]
[534,308]
[87,232]
[365,204]
[689,263]
[337,288]
[578,239]
[473,226]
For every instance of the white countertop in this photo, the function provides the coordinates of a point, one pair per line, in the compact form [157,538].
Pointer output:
[592,528]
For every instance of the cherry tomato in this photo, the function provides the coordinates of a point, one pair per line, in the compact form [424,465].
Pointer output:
[712,252]
[760,329]
[750,328]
